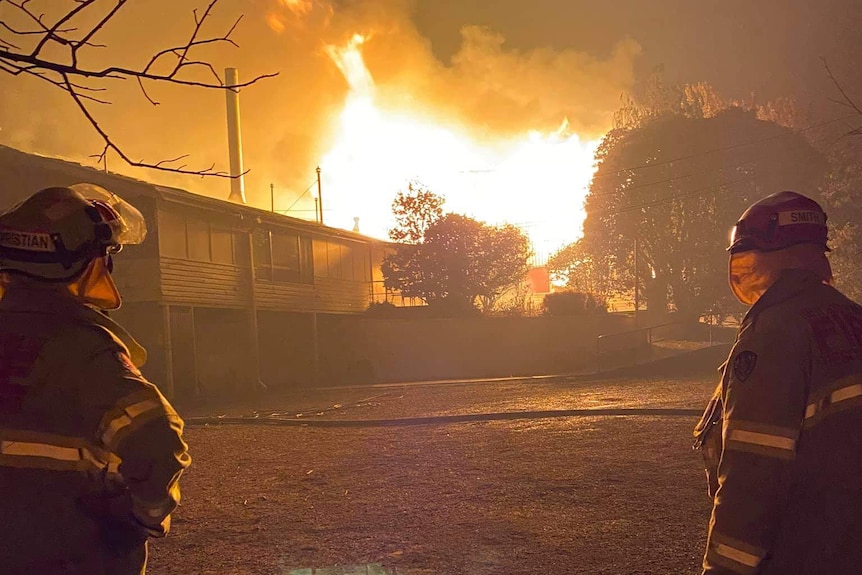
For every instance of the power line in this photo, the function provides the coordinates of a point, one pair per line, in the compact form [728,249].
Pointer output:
[720,168]
[724,148]
[668,180]
[690,193]
[300,197]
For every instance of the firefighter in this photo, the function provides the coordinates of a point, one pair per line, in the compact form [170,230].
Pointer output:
[90,451]
[785,425]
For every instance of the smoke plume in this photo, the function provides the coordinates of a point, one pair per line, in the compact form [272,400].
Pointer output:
[487,90]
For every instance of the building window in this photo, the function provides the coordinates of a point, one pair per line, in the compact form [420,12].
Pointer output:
[342,260]
[283,257]
[306,260]
[188,238]
[334,255]
[240,249]
[361,264]
[321,261]
[262,254]
[172,235]
[198,233]
[221,246]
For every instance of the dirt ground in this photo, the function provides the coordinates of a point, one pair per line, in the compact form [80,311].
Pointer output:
[600,494]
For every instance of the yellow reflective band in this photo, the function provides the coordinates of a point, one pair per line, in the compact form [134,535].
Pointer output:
[36,455]
[28,449]
[837,396]
[127,418]
[848,392]
[108,461]
[763,439]
[737,555]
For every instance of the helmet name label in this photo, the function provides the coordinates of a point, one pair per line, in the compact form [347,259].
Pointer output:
[31,241]
[801,217]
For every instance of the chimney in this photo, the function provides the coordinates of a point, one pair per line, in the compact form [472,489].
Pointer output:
[234,137]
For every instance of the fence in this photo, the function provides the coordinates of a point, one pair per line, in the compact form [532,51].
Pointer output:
[633,346]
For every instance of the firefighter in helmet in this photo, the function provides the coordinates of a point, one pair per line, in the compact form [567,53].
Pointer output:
[782,436]
[90,451]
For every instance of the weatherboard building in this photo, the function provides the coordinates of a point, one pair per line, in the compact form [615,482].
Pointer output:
[223,296]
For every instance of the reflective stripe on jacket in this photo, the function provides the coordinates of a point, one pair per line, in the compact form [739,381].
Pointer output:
[90,451]
[788,486]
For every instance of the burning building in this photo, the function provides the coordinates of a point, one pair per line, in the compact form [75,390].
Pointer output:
[224,296]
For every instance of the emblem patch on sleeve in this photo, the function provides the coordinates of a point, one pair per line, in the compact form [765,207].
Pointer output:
[743,365]
[127,363]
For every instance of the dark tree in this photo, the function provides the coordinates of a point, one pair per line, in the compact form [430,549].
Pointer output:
[842,196]
[414,211]
[459,261]
[674,187]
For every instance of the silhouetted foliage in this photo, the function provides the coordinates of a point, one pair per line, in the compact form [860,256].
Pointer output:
[573,303]
[678,184]
[414,211]
[654,98]
[459,262]
[842,200]
[382,309]
[577,269]
[842,197]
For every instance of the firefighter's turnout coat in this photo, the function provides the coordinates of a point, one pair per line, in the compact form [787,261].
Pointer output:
[90,452]
[789,480]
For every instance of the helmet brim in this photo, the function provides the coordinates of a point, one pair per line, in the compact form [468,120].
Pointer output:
[129,227]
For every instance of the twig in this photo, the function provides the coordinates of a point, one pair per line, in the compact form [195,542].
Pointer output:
[848,102]
[72,76]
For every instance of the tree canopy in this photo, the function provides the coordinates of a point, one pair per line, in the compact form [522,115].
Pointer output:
[414,211]
[458,263]
[842,196]
[674,185]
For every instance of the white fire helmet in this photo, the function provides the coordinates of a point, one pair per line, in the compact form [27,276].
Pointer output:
[54,234]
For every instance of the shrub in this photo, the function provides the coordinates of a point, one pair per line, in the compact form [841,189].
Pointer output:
[573,303]
[381,309]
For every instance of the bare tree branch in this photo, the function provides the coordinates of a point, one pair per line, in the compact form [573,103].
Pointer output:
[30,32]
[74,77]
[847,101]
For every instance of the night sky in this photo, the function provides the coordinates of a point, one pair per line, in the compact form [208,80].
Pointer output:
[495,67]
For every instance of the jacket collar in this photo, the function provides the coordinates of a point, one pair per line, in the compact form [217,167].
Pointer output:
[789,283]
[48,302]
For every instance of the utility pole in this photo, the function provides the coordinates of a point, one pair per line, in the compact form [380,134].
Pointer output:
[319,195]
[272,196]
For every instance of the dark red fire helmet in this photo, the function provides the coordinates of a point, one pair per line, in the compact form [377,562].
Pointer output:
[779,221]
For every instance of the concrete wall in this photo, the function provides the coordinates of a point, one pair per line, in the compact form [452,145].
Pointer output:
[286,349]
[358,350]
[224,353]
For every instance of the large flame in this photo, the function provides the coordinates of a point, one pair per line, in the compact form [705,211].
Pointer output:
[537,181]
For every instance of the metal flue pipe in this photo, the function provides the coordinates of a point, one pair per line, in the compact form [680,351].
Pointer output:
[234,137]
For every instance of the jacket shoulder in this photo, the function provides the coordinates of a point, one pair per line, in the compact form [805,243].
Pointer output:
[795,312]
[88,340]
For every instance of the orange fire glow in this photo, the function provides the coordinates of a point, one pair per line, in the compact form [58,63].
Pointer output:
[298,7]
[537,181]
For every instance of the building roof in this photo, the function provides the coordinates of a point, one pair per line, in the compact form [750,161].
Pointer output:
[130,188]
